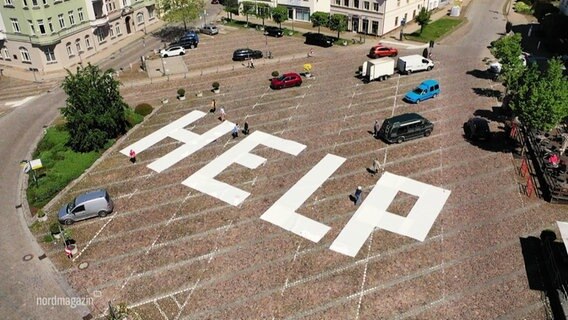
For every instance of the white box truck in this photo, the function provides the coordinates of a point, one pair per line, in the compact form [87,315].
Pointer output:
[378,69]
[413,63]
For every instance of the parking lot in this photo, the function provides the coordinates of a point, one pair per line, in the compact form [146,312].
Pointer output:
[172,252]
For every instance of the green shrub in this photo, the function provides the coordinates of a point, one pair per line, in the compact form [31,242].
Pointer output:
[181,92]
[48,238]
[55,228]
[523,8]
[132,118]
[144,109]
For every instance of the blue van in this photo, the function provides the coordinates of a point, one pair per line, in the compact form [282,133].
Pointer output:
[426,90]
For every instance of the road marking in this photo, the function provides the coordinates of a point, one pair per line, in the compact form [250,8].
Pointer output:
[17,103]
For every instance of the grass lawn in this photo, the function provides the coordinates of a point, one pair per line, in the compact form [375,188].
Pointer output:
[436,29]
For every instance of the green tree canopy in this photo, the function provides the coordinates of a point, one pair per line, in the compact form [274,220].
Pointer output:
[541,101]
[338,22]
[279,15]
[94,109]
[423,18]
[263,11]
[182,10]
[248,8]
[508,51]
[319,19]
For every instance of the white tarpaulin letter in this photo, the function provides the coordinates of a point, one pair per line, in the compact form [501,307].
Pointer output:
[192,141]
[283,212]
[373,213]
[203,180]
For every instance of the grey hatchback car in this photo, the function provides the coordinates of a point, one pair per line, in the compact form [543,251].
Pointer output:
[209,29]
[86,205]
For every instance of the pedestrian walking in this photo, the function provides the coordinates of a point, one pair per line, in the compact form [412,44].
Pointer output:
[375,167]
[251,63]
[357,195]
[376,129]
[222,112]
[246,129]
[132,156]
[311,53]
[213,106]
[235,132]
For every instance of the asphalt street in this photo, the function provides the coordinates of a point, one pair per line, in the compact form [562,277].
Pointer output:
[22,282]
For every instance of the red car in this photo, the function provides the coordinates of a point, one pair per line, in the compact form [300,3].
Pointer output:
[380,51]
[286,80]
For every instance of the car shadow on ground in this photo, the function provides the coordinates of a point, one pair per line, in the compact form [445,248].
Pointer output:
[499,142]
[171,33]
[547,268]
[496,114]
[481,74]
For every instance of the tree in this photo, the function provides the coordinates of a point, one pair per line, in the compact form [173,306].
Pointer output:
[279,15]
[508,51]
[423,18]
[248,9]
[540,101]
[94,109]
[231,7]
[263,12]
[182,10]
[338,22]
[319,19]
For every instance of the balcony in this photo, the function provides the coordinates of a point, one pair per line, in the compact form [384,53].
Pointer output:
[126,10]
[100,21]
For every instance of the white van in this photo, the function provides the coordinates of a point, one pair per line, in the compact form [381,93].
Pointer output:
[413,63]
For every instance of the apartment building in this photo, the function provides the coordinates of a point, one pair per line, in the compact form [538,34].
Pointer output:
[49,35]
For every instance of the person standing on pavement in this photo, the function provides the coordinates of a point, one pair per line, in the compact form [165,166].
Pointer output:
[235,132]
[376,129]
[251,63]
[357,195]
[222,112]
[213,106]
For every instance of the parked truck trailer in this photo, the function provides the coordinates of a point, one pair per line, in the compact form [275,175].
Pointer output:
[380,69]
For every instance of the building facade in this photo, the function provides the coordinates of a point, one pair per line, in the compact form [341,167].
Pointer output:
[298,10]
[49,35]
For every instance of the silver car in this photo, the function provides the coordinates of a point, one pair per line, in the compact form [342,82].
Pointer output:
[209,29]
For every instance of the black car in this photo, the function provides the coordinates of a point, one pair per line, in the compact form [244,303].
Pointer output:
[477,128]
[187,43]
[319,39]
[245,54]
[273,32]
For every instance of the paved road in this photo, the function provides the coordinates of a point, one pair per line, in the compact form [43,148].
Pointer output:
[22,283]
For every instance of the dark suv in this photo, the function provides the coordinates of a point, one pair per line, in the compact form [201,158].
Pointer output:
[187,43]
[273,32]
[405,127]
[319,39]
[245,54]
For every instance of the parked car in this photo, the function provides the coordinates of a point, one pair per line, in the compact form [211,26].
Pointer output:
[477,128]
[319,39]
[426,90]
[405,127]
[380,51]
[87,205]
[190,35]
[246,53]
[186,43]
[273,32]
[286,80]
[172,51]
[209,29]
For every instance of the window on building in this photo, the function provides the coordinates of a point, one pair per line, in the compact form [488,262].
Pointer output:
[88,42]
[125,3]
[69,49]
[346,3]
[413,14]
[78,45]
[110,6]
[34,3]
[337,2]
[111,32]
[71,18]
[8,2]
[117,29]
[150,12]
[61,21]
[44,2]
[398,3]
[303,14]
[356,3]
[25,55]
[376,6]
[366,5]
[100,35]
[80,14]
[375,27]
[49,54]
[139,17]
[396,21]
[25,3]
[41,26]
[15,25]
[32,27]
[50,25]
